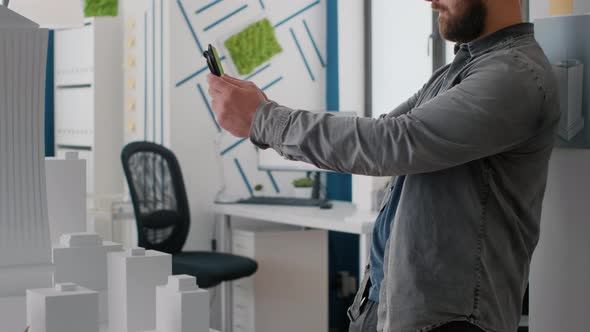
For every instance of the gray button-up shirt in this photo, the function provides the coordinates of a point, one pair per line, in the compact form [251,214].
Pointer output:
[475,143]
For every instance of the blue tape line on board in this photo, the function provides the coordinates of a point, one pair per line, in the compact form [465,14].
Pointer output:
[233,146]
[206,101]
[226,17]
[246,182]
[190,26]
[274,182]
[195,74]
[315,46]
[296,14]
[207,6]
[264,88]
[256,72]
[302,54]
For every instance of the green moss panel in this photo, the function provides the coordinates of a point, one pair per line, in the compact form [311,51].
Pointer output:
[100,8]
[253,46]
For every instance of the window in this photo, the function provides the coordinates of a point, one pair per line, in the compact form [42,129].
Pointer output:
[403,50]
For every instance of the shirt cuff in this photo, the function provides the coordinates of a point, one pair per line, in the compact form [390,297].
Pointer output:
[268,125]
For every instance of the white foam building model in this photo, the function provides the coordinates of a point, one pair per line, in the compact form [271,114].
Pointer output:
[65,308]
[181,306]
[570,79]
[66,195]
[81,258]
[133,276]
[25,252]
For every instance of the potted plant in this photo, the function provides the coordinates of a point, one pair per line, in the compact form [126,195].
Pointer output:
[303,187]
[259,190]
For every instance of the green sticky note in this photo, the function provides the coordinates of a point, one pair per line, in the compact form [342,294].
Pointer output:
[94,8]
[253,46]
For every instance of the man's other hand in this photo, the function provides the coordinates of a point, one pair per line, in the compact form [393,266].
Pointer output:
[234,103]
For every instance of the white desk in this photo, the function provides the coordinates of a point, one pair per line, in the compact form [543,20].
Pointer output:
[105,328]
[343,217]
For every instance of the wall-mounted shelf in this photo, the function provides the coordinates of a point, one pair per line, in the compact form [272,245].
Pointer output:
[88,101]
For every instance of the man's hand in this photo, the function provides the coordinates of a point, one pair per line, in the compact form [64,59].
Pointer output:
[234,103]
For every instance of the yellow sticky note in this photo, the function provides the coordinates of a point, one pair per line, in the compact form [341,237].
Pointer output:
[131,83]
[131,105]
[130,23]
[131,42]
[131,127]
[561,7]
[131,61]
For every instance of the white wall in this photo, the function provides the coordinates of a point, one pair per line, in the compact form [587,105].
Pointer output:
[560,271]
[540,8]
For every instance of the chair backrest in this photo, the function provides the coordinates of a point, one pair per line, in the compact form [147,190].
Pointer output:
[158,195]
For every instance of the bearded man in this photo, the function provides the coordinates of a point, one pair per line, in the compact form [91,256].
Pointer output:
[469,156]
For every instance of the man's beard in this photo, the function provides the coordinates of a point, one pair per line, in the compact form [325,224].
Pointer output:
[465,26]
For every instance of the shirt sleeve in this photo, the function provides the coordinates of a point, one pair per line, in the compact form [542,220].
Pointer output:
[495,108]
[404,108]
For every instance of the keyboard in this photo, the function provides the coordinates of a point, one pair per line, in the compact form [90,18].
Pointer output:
[321,203]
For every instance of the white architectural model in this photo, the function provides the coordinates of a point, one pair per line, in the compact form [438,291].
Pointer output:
[181,306]
[25,253]
[24,230]
[66,195]
[65,308]
[570,78]
[133,277]
[82,258]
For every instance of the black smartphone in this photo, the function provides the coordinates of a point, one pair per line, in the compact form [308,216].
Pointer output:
[213,61]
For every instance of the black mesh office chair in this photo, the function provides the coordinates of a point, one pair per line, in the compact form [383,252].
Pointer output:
[163,219]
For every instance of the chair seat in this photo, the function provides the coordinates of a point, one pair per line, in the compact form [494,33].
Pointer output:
[212,268]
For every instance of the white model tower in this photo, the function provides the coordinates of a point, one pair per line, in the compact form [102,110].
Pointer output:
[65,308]
[66,195]
[181,306]
[82,258]
[25,252]
[24,229]
[133,277]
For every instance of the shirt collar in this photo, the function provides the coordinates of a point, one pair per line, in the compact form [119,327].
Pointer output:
[501,36]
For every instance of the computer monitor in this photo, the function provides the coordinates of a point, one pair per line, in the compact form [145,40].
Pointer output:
[270,160]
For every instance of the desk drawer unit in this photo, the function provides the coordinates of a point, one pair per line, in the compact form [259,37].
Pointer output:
[291,281]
